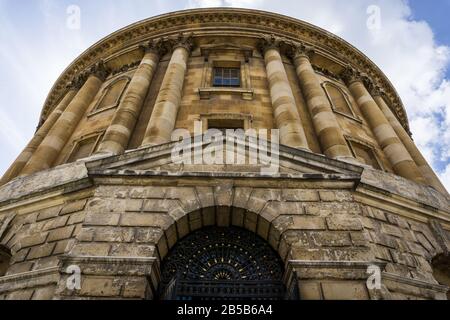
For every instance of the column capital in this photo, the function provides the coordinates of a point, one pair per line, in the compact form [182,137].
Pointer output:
[301,50]
[157,46]
[77,82]
[372,87]
[182,41]
[99,70]
[270,42]
[350,75]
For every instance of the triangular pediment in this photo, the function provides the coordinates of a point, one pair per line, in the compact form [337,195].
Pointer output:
[289,161]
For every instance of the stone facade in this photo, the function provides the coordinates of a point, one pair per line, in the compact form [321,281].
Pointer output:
[97,188]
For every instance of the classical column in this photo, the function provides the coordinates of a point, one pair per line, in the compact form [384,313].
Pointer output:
[409,144]
[326,126]
[118,134]
[60,133]
[164,115]
[285,110]
[392,147]
[39,136]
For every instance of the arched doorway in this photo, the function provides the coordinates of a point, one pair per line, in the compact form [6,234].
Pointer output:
[441,270]
[222,263]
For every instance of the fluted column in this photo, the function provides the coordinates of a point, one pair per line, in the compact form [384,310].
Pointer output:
[118,134]
[285,110]
[57,138]
[392,147]
[38,137]
[325,123]
[164,115]
[424,168]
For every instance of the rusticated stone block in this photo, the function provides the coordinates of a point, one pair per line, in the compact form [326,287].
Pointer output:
[134,287]
[20,267]
[310,290]
[57,223]
[41,251]
[300,223]
[73,207]
[60,234]
[344,290]
[100,287]
[360,239]
[102,219]
[63,247]
[381,253]
[33,240]
[382,239]
[76,218]
[113,234]
[147,192]
[49,213]
[91,249]
[241,197]
[300,195]
[131,250]
[146,220]
[21,295]
[45,293]
[148,235]
[344,222]
[391,230]
[331,239]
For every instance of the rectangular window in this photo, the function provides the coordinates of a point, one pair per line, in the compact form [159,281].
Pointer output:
[224,124]
[227,77]
[365,154]
[84,149]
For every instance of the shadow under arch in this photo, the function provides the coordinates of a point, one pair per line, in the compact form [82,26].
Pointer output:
[441,270]
[255,229]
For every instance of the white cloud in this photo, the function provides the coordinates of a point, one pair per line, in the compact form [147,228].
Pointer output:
[404,49]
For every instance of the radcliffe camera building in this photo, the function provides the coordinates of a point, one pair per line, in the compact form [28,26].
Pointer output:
[97,191]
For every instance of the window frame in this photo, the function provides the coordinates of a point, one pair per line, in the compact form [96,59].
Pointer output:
[105,91]
[371,147]
[76,143]
[353,115]
[238,71]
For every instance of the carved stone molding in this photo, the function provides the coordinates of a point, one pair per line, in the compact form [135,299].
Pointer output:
[350,75]
[182,41]
[99,70]
[270,42]
[125,68]
[253,23]
[373,88]
[158,46]
[301,50]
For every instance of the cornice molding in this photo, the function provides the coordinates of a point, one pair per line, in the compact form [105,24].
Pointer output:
[202,21]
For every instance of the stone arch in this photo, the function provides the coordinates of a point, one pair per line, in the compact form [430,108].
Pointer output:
[226,207]
[441,270]
[5,257]
[269,224]
[222,262]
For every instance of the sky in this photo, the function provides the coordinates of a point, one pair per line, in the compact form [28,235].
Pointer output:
[408,39]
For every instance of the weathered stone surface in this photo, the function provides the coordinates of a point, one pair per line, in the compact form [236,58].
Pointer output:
[344,222]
